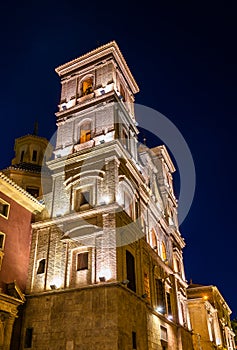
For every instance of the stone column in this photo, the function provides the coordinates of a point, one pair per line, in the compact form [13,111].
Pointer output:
[8,332]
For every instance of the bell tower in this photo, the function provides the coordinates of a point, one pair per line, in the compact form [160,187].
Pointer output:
[103,271]
[93,86]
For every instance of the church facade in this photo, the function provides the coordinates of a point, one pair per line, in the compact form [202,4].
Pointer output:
[106,268]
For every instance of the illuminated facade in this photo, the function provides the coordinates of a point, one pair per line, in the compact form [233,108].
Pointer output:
[106,267]
[210,318]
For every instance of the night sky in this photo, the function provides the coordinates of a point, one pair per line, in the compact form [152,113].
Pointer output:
[184,59]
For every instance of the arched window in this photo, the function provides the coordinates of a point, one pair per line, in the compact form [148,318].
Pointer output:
[128,204]
[85,132]
[122,93]
[87,86]
[153,239]
[163,252]
[131,275]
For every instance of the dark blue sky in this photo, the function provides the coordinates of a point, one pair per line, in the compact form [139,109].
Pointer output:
[184,59]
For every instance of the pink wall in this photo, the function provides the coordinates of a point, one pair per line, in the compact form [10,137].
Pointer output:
[17,244]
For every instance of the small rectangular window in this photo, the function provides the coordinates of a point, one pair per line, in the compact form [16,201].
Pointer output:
[34,156]
[82,261]
[4,208]
[163,333]
[134,340]
[28,338]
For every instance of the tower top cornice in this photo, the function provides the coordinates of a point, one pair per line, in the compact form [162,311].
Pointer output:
[96,54]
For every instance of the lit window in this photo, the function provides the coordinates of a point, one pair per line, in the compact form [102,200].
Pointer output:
[82,261]
[85,132]
[2,243]
[147,285]
[4,208]
[87,86]
[163,252]
[153,240]
[2,240]
[41,267]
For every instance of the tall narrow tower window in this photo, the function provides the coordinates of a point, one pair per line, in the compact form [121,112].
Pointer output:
[28,338]
[85,132]
[163,252]
[122,93]
[130,263]
[153,239]
[125,138]
[168,299]
[2,240]
[41,267]
[22,156]
[134,340]
[34,156]
[160,294]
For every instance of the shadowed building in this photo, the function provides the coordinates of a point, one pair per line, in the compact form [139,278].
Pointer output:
[28,167]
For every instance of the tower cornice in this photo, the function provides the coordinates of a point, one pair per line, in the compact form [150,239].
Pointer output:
[98,54]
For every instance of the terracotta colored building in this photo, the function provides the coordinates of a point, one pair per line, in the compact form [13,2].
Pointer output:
[16,209]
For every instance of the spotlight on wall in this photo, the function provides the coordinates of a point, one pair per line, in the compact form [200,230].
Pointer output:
[102,279]
[53,286]
[159,309]
[170,317]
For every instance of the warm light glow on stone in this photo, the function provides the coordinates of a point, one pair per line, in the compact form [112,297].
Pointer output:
[105,199]
[57,281]
[105,272]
